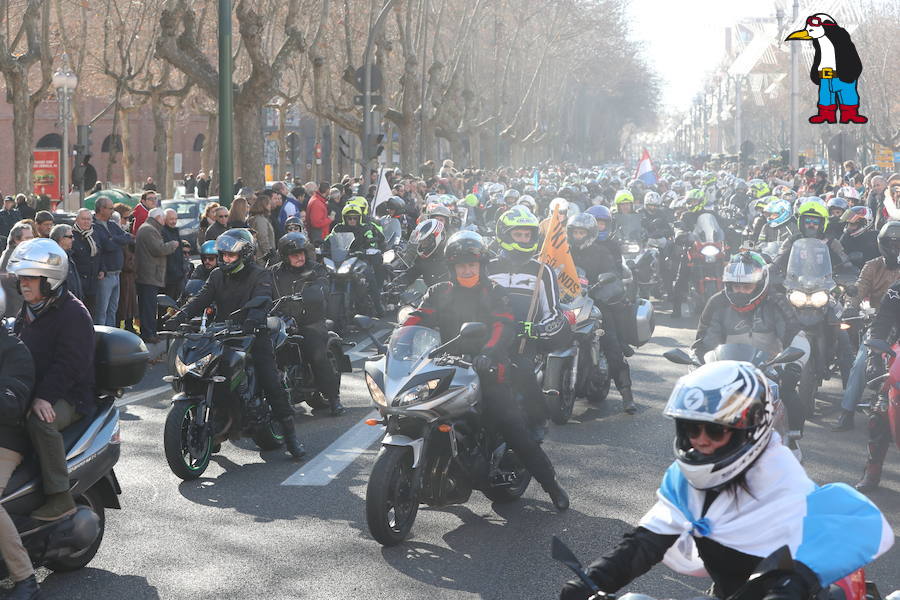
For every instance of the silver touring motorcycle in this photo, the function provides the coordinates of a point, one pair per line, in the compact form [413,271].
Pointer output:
[436,448]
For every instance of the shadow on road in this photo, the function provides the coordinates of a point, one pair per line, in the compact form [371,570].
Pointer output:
[102,584]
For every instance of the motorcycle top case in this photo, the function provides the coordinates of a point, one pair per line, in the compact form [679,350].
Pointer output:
[639,322]
[120,358]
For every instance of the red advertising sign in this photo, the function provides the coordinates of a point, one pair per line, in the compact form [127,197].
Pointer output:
[45,173]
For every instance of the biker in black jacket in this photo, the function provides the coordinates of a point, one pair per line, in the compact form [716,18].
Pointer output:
[590,256]
[299,273]
[859,240]
[428,239]
[470,296]
[237,280]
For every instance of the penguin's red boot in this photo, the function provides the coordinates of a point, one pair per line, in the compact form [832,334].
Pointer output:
[827,114]
[849,114]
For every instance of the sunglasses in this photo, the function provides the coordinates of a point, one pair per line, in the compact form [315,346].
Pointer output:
[817,22]
[693,429]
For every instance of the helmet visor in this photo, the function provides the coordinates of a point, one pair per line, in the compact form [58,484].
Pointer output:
[227,243]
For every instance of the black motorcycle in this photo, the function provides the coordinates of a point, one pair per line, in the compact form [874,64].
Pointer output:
[92,449]
[348,274]
[217,396]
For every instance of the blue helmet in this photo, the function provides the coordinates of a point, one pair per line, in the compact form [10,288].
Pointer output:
[209,248]
[782,211]
[601,213]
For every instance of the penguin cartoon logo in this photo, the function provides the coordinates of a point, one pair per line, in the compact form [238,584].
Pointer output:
[835,69]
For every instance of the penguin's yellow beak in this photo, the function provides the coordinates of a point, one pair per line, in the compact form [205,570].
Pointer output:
[799,35]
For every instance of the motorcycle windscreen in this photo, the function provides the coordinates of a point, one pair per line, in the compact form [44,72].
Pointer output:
[408,347]
[809,266]
[392,231]
[707,229]
[629,227]
[740,352]
[339,244]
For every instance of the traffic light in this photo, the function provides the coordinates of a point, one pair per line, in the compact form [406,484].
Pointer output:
[83,136]
[373,146]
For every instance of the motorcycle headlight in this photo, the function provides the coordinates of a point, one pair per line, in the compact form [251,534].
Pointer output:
[195,367]
[632,248]
[417,393]
[797,298]
[344,269]
[378,396]
[709,251]
[819,299]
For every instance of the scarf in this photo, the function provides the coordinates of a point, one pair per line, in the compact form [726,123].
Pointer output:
[834,530]
[88,235]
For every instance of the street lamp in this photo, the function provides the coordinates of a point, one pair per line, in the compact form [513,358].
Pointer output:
[64,81]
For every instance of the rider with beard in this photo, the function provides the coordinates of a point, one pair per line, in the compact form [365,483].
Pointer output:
[595,260]
[812,220]
[470,296]
[544,327]
[428,239]
[369,240]
[299,273]
[236,281]
[748,311]
[859,240]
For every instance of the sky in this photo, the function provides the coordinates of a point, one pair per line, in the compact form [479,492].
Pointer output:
[684,39]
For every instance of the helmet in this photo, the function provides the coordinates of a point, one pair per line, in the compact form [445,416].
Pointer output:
[848,192]
[652,199]
[351,210]
[746,267]
[40,257]
[760,204]
[235,240]
[740,186]
[778,212]
[560,203]
[471,200]
[730,394]
[838,203]
[861,219]
[396,204]
[515,218]
[586,222]
[696,200]
[208,248]
[889,243]
[601,213]
[759,188]
[667,199]
[466,246]
[438,210]
[624,196]
[294,243]
[361,204]
[293,222]
[511,196]
[427,237]
[530,203]
[788,194]
[810,209]
[679,187]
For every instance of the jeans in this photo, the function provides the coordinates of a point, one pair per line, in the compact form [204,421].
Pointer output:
[107,300]
[146,295]
[856,382]
[834,91]
[14,554]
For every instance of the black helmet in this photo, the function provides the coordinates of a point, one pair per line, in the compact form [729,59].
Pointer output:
[466,246]
[295,243]
[396,204]
[239,241]
[889,243]
[293,221]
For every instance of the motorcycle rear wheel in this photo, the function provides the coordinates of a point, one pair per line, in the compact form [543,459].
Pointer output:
[269,436]
[177,435]
[391,505]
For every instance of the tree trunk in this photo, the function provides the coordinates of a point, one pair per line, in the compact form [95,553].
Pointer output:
[113,146]
[23,132]
[457,150]
[282,143]
[127,155]
[170,156]
[250,144]
[408,133]
[160,141]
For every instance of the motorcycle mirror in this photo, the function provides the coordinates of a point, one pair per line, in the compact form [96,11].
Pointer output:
[166,302]
[787,355]
[561,553]
[880,346]
[364,322]
[256,302]
[678,356]
[470,331]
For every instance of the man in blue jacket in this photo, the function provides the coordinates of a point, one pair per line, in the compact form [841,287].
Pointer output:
[112,241]
[57,329]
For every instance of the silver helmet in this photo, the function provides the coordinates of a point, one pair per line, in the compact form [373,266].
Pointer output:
[40,257]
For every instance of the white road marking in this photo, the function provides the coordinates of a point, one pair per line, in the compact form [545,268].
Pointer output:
[138,396]
[340,454]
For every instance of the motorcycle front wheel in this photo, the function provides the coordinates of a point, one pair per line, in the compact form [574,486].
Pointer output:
[180,436]
[561,408]
[391,504]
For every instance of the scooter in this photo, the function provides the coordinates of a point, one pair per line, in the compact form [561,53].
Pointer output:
[92,450]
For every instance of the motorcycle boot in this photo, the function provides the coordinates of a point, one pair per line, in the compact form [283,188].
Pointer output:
[623,384]
[56,506]
[558,495]
[844,422]
[291,443]
[337,409]
[879,441]
[27,589]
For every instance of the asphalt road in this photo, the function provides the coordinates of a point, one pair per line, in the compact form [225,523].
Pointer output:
[239,533]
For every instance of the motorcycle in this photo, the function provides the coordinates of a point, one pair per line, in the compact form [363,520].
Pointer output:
[299,376]
[216,397]
[852,587]
[436,448]
[888,400]
[348,272]
[92,446]
[706,259]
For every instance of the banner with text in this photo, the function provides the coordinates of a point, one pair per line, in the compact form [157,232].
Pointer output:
[555,254]
[45,173]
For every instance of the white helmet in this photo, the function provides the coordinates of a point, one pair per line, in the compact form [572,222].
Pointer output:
[562,203]
[652,198]
[40,257]
[728,394]
[529,202]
